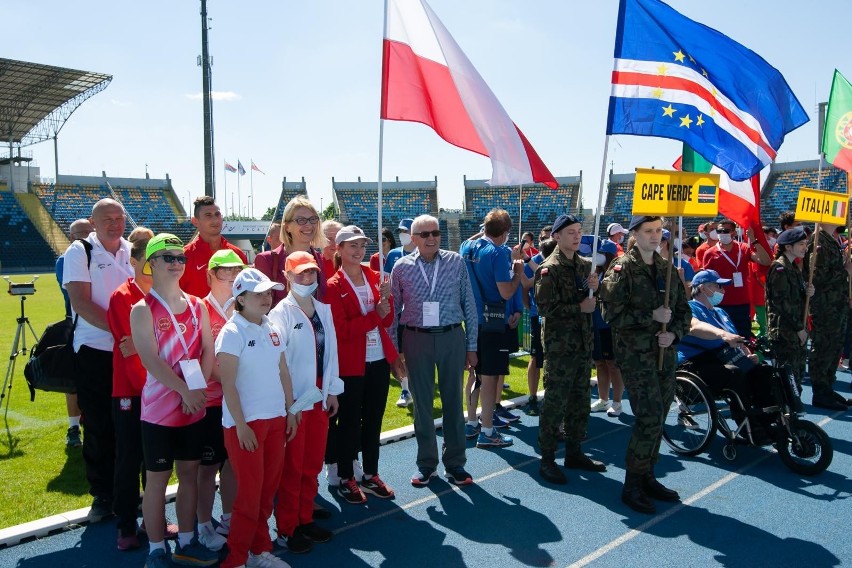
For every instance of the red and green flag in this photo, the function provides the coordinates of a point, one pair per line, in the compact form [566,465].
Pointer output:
[837,135]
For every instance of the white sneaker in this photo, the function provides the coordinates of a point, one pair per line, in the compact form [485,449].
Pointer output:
[331,475]
[357,470]
[404,399]
[614,410]
[210,539]
[265,560]
[600,405]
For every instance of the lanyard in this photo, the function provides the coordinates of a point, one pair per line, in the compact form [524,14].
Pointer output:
[175,322]
[434,276]
[357,295]
[221,309]
[739,256]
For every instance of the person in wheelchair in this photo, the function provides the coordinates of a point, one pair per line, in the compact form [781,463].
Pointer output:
[717,354]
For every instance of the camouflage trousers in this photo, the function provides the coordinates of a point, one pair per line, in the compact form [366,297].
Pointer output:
[790,354]
[829,330]
[651,395]
[566,399]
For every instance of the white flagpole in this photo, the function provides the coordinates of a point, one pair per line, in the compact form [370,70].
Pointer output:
[680,236]
[251,186]
[598,210]
[225,200]
[520,211]
[381,155]
[239,197]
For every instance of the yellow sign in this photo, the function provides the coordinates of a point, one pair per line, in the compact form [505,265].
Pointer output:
[821,206]
[687,194]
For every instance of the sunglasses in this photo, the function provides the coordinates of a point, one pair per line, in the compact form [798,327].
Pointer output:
[305,220]
[427,234]
[172,258]
[722,231]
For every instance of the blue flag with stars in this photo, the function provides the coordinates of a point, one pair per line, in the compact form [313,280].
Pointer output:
[676,78]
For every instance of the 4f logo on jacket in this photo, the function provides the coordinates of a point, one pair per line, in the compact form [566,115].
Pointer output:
[298,326]
[251,343]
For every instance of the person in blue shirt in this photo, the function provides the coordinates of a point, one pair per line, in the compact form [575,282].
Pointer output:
[717,354]
[79,229]
[546,246]
[404,230]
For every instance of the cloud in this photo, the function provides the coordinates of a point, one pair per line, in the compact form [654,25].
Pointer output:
[226,96]
[119,103]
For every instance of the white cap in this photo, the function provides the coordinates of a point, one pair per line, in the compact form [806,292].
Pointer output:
[351,233]
[615,228]
[253,280]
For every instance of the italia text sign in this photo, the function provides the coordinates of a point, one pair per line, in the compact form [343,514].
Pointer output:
[672,193]
[821,206]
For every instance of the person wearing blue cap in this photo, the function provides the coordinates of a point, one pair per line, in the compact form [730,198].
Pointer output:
[407,246]
[632,302]
[786,292]
[562,285]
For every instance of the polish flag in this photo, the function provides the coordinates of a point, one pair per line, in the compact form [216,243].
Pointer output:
[427,78]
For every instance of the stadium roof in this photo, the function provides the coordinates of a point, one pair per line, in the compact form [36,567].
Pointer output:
[36,100]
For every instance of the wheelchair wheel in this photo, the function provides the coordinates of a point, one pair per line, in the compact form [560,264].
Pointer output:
[691,419]
[808,451]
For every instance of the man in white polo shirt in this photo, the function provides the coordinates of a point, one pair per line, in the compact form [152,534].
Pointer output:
[89,286]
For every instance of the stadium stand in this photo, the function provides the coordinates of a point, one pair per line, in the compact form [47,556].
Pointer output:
[23,248]
[784,181]
[357,203]
[289,190]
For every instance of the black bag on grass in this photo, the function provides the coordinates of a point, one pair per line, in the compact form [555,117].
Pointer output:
[52,361]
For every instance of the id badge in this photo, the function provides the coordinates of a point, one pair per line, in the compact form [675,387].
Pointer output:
[738,279]
[373,338]
[431,314]
[192,374]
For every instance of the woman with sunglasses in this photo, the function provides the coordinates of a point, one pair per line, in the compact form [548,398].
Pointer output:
[388,244]
[362,311]
[222,270]
[300,231]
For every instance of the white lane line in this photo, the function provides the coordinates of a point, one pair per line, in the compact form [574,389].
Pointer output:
[633,533]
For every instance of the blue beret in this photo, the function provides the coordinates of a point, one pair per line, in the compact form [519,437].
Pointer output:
[563,221]
[792,236]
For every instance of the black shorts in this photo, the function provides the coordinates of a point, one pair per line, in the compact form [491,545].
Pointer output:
[213,441]
[163,445]
[536,349]
[493,352]
[602,350]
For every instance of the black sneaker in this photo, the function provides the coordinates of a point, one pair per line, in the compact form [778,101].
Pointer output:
[532,407]
[459,476]
[315,533]
[72,437]
[298,543]
[100,509]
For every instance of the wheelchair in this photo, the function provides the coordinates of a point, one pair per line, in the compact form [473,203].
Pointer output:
[694,418]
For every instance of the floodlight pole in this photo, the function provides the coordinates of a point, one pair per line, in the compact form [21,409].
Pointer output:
[209,173]
[55,159]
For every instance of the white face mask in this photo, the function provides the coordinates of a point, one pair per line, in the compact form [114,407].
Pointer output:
[714,235]
[716,298]
[659,249]
[404,239]
[725,238]
[702,236]
[303,290]
[772,241]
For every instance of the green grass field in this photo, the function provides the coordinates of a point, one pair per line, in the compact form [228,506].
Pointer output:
[38,477]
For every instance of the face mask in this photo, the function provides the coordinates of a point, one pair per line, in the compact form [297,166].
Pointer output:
[772,242]
[600,259]
[714,235]
[677,244]
[659,249]
[303,290]
[725,238]
[702,236]
[715,298]
[405,239]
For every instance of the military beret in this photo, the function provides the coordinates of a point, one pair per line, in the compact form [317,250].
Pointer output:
[792,236]
[563,221]
[637,220]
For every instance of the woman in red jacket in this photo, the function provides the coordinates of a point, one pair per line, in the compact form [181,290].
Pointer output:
[362,310]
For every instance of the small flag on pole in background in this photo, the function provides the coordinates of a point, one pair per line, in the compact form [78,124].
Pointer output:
[240,168]
[255,168]
[230,168]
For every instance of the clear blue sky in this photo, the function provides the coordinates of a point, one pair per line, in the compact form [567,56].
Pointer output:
[300,83]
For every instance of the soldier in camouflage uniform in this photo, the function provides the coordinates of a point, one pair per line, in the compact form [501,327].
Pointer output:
[632,302]
[562,284]
[785,302]
[828,316]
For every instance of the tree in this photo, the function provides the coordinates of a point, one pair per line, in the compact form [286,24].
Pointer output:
[330,212]
[269,214]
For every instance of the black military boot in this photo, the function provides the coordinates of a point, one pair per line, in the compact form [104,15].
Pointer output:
[633,497]
[579,460]
[653,488]
[549,471]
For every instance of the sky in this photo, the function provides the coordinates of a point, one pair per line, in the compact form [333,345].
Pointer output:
[297,86]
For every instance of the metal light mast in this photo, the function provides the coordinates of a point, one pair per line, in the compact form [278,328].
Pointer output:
[206,63]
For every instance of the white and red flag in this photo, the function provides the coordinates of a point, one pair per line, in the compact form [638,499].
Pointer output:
[427,78]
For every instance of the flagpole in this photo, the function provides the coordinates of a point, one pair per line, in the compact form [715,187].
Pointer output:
[239,196]
[520,211]
[251,186]
[381,155]
[680,235]
[225,200]
[600,203]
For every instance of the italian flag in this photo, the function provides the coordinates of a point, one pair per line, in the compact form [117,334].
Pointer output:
[739,201]
[837,134]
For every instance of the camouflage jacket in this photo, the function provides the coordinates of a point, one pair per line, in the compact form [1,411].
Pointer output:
[830,278]
[630,292]
[560,286]
[785,300]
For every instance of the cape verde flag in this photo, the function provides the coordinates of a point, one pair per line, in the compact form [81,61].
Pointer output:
[706,194]
[676,78]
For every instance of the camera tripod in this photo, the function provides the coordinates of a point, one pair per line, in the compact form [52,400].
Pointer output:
[19,347]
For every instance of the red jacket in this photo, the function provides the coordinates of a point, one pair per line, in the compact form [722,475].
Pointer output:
[128,374]
[352,326]
[198,253]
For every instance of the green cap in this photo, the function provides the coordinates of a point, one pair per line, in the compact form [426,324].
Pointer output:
[225,258]
[163,241]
